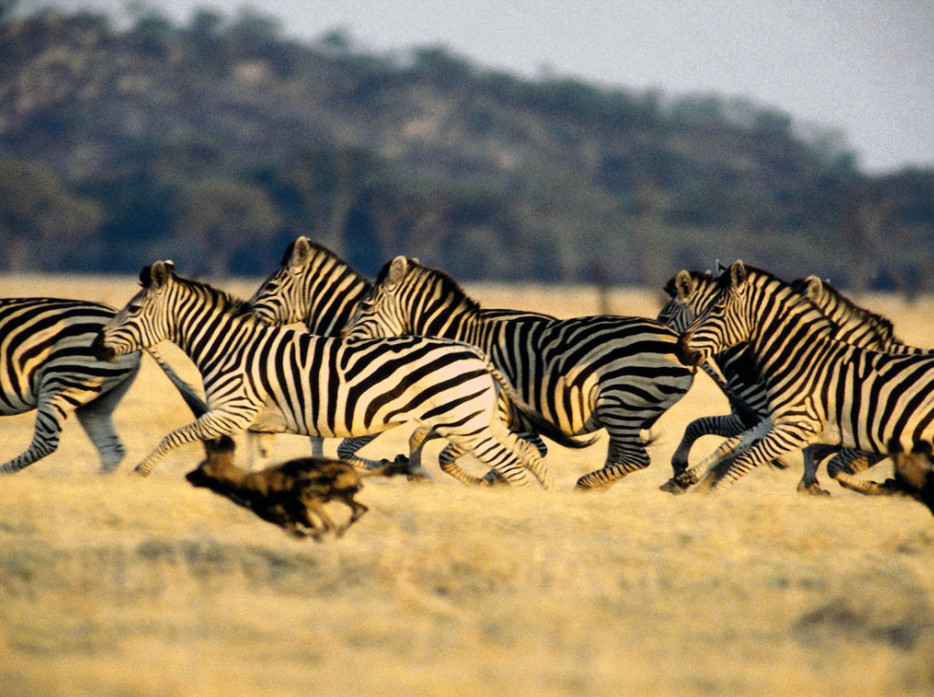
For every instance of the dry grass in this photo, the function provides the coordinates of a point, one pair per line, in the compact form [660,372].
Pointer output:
[115,585]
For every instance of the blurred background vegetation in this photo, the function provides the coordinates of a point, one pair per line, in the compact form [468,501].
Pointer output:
[218,142]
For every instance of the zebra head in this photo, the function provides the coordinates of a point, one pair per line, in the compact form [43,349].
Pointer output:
[281,298]
[381,313]
[689,292]
[722,323]
[142,322]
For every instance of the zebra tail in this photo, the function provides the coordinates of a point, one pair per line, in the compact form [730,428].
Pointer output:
[189,394]
[536,420]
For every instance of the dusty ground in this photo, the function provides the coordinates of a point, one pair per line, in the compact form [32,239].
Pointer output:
[118,586]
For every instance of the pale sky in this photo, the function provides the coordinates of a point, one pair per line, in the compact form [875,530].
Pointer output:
[865,67]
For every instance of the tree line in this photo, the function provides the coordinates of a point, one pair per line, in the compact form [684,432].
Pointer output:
[217,141]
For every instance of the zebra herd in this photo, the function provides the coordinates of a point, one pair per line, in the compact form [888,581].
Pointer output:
[801,366]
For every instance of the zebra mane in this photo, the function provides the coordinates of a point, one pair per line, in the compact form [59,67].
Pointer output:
[316,248]
[881,325]
[449,287]
[795,296]
[227,302]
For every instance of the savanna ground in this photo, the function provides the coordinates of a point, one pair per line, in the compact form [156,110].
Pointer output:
[119,586]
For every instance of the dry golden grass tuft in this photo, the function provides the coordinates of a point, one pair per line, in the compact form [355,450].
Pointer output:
[115,585]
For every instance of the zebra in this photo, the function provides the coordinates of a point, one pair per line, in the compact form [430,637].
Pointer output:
[581,374]
[821,390]
[282,380]
[733,371]
[691,291]
[46,364]
[315,287]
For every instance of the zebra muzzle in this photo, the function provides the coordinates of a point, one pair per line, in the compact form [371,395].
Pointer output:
[686,354]
[100,351]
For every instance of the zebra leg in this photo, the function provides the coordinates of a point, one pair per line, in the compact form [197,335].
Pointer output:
[347,451]
[725,426]
[96,417]
[213,424]
[317,446]
[724,455]
[98,424]
[417,441]
[848,462]
[493,477]
[447,462]
[50,418]
[623,457]
[781,439]
[500,449]
[809,483]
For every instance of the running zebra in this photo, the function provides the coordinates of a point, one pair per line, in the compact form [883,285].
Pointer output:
[285,381]
[821,390]
[46,364]
[315,287]
[690,292]
[733,371]
[582,374]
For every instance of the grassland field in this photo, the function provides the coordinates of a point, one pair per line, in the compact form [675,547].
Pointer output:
[117,586]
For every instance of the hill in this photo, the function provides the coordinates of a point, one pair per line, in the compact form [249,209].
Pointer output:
[217,142]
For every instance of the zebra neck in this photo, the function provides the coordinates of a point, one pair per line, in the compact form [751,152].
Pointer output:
[211,337]
[786,332]
[458,323]
[330,308]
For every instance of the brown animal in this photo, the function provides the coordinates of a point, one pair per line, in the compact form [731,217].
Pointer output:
[292,494]
[914,473]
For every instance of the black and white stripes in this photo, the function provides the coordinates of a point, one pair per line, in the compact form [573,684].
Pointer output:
[282,380]
[581,374]
[46,363]
[821,390]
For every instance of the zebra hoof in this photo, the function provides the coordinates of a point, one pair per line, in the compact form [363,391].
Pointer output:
[673,486]
[813,489]
[494,478]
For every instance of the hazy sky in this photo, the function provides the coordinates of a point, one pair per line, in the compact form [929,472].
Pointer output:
[865,67]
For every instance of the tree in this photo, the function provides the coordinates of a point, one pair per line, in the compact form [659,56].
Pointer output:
[220,217]
[40,222]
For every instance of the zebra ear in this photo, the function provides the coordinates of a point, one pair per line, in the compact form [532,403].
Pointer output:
[737,274]
[301,252]
[160,272]
[397,269]
[814,286]
[684,284]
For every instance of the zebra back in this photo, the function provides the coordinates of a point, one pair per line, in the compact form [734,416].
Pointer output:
[50,339]
[559,366]
[409,298]
[312,285]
